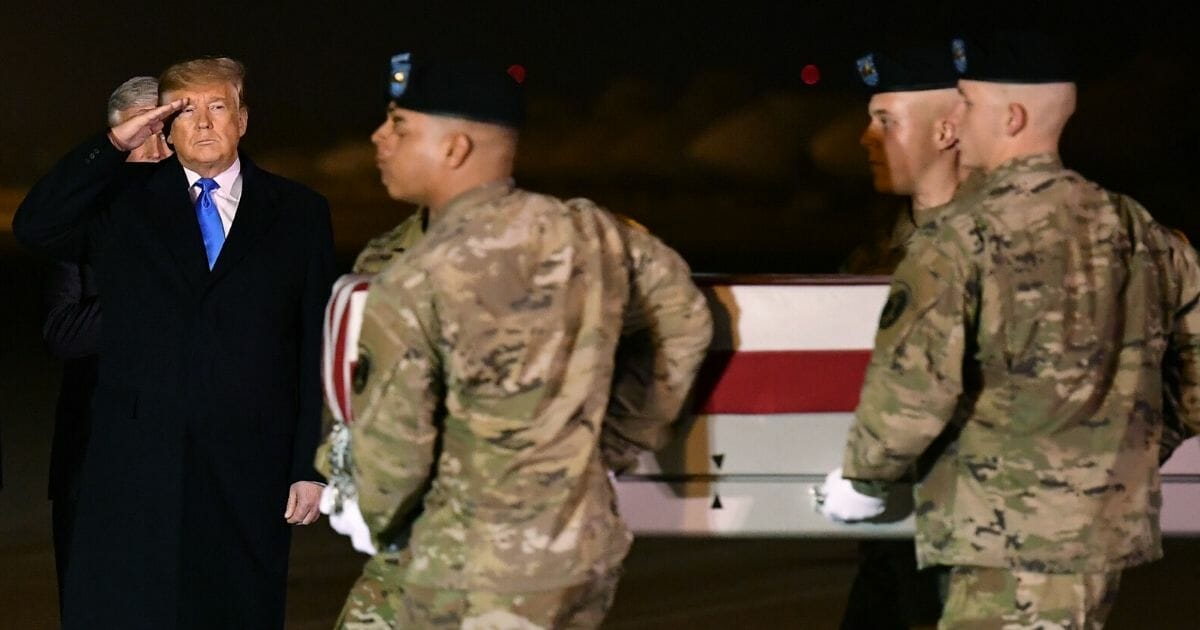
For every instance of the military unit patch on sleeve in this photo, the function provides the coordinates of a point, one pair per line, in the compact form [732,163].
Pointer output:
[362,370]
[897,302]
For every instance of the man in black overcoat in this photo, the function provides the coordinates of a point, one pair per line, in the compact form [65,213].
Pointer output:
[213,274]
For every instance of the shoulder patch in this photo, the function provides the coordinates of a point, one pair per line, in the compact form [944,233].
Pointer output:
[897,302]
[362,370]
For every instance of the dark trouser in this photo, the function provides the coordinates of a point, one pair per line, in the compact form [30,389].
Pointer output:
[889,591]
[62,520]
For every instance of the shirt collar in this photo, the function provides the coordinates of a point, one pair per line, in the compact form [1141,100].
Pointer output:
[229,180]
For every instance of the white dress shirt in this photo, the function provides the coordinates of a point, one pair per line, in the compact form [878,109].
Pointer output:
[226,197]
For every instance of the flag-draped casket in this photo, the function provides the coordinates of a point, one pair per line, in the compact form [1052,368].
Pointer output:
[770,414]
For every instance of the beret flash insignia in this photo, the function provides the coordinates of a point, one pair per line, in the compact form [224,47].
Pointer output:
[401,68]
[958,48]
[866,70]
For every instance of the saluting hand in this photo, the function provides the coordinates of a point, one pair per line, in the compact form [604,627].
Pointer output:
[132,133]
[304,501]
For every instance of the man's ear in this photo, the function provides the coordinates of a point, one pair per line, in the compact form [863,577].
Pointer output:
[945,134]
[1016,120]
[457,147]
[243,120]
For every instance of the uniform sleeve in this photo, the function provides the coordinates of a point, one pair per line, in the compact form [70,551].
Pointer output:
[375,255]
[915,375]
[1181,363]
[665,335]
[397,391]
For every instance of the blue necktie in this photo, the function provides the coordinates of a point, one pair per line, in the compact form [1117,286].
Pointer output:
[210,219]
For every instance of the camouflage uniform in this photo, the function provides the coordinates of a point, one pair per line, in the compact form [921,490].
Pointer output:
[333,453]
[488,356]
[880,255]
[889,590]
[1030,327]
[987,597]
[371,602]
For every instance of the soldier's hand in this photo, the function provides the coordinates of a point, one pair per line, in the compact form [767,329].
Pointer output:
[134,132]
[304,500]
[347,521]
[840,502]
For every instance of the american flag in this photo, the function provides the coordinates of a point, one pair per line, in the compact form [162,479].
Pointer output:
[771,411]
[772,406]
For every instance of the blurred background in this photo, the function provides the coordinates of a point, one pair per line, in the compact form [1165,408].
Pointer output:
[699,120]
[696,121]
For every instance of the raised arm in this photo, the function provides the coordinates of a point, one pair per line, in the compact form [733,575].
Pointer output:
[54,216]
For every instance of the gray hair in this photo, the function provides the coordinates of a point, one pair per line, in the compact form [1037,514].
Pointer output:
[138,91]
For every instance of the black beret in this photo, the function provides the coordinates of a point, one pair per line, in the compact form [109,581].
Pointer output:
[923,67]
[489,93]
[1016,56]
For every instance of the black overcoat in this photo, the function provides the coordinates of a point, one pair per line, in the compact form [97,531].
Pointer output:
[208,400]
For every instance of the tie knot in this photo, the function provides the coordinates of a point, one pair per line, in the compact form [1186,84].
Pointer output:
[207,184]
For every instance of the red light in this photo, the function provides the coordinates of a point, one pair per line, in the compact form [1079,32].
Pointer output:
[517,72]
[810,75]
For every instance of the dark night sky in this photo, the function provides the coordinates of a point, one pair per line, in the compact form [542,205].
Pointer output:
[315,67]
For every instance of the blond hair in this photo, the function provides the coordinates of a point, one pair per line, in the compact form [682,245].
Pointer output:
[203,71]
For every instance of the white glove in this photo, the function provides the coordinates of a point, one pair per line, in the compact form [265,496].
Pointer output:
[840,502]
[348,522]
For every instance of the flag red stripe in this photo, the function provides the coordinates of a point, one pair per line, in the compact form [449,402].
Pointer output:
[797,381]
[343,372]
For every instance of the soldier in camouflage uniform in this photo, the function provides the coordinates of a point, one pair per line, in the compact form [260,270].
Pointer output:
[369,604]
[1040,326]
[490,392]
[912,150]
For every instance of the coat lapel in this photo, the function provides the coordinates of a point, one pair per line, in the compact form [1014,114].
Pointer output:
[256,212]
[172,213]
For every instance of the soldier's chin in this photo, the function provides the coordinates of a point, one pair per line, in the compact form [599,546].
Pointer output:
[883,184]
[397,193]
[387,185]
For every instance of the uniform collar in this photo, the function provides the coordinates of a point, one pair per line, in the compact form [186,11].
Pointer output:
[1037,163]
[474,197]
